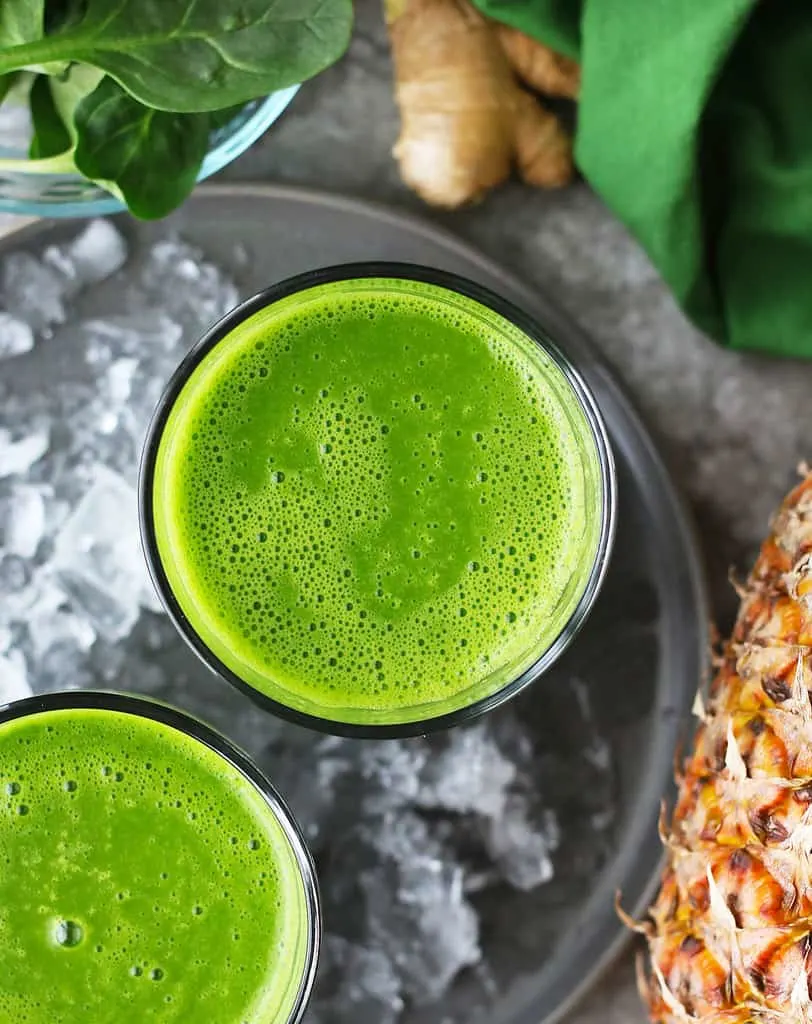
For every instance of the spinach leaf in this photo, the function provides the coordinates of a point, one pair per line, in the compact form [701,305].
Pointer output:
[51,137]
[70,89]
[61,14]
[21,21]
[149,158]
[22,24]
[195,55]
[6,82]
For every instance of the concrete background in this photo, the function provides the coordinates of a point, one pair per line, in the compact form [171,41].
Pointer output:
[731,427]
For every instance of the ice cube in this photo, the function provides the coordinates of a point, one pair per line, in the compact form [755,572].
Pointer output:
[390,773]
[61,627]
[63,666]
[193,291]
[99,251]
[112,615]
[119,380]
[103,436]
[13,677]
[24,524]
[130,334]
[520,845]
[470,774]
[15,574]
[18,456]
[56,259]
[33,291]
[96,253]
[36,607]
[114,423]
[22,592]
[16,336]
[98,558]
[417,910]
[98,352]
[356,985]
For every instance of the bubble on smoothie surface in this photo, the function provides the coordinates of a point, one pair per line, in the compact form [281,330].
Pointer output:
[377,497]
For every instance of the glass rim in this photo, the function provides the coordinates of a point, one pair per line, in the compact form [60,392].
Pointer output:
[405,272]
[197,729]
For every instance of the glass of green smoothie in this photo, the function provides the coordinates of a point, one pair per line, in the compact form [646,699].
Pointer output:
[378,499]
[152,872]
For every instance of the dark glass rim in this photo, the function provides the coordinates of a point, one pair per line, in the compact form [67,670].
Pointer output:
[408,272]
[167,714]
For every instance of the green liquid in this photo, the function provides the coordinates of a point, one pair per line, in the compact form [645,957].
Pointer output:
[376,500]
[142,877]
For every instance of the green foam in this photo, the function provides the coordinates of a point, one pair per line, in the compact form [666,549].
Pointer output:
[142,877]
[375,499]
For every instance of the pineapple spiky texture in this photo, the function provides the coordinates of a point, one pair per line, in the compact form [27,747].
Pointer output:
[730,933]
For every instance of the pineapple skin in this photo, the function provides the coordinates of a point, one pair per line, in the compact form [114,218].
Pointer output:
[730,932]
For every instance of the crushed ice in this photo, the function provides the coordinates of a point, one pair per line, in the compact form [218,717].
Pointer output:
[409,835]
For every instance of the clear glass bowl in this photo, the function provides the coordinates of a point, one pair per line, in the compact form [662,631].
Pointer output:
[36,194]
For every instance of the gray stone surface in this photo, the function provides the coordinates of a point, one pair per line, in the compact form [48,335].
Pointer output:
[732,427]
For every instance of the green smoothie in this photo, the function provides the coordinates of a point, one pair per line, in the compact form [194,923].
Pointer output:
[142,878]
[377,500]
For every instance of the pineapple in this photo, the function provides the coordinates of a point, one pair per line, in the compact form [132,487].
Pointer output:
[730,933]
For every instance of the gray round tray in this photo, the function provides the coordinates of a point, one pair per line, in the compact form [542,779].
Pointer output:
[643,651]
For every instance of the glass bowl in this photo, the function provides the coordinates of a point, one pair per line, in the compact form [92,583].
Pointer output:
[38,194]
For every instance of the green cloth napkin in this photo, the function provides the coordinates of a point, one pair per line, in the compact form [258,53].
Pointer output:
[695,125]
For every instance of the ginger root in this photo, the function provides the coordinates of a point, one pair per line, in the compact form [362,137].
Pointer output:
[538,66]
[543,148]
[465,120]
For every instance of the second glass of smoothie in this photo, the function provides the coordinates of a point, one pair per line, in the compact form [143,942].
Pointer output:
[152,873]
[377,499]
